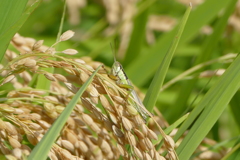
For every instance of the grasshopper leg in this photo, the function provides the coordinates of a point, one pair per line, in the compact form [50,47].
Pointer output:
[126,86]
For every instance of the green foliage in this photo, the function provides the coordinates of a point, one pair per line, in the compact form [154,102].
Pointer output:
[12,15]
[159,77]
[212,105]
[149,62]
[206,54]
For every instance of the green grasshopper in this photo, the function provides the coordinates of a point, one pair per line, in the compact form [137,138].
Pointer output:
[117,73]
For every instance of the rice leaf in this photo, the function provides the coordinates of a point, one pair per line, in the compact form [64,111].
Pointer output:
[234,105]
[205,55]
[12,17]
[154,89]
[217,32]
[214,102]
[149,62]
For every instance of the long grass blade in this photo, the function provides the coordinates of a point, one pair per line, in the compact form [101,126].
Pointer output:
[215,36]
[234,105]
[205,55]
[154,89]
[12,17]
[149,63]
[214,102]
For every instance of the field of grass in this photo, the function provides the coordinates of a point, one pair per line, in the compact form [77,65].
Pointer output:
[59,100]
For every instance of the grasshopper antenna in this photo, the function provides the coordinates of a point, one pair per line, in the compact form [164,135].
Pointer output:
[113,51]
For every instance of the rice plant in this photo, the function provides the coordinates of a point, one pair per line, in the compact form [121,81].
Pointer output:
[61,99]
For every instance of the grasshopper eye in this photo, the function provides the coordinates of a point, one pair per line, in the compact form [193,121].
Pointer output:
[118,69]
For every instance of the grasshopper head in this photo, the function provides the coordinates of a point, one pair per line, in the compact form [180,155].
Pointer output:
[116,67]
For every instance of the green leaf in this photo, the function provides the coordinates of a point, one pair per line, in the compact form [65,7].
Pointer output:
[12,19]
[209,47]
[11,11]
[205,55]
[40,151]
[149,62]
[154,89]
[137,37]
[234,105]
[214,102]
